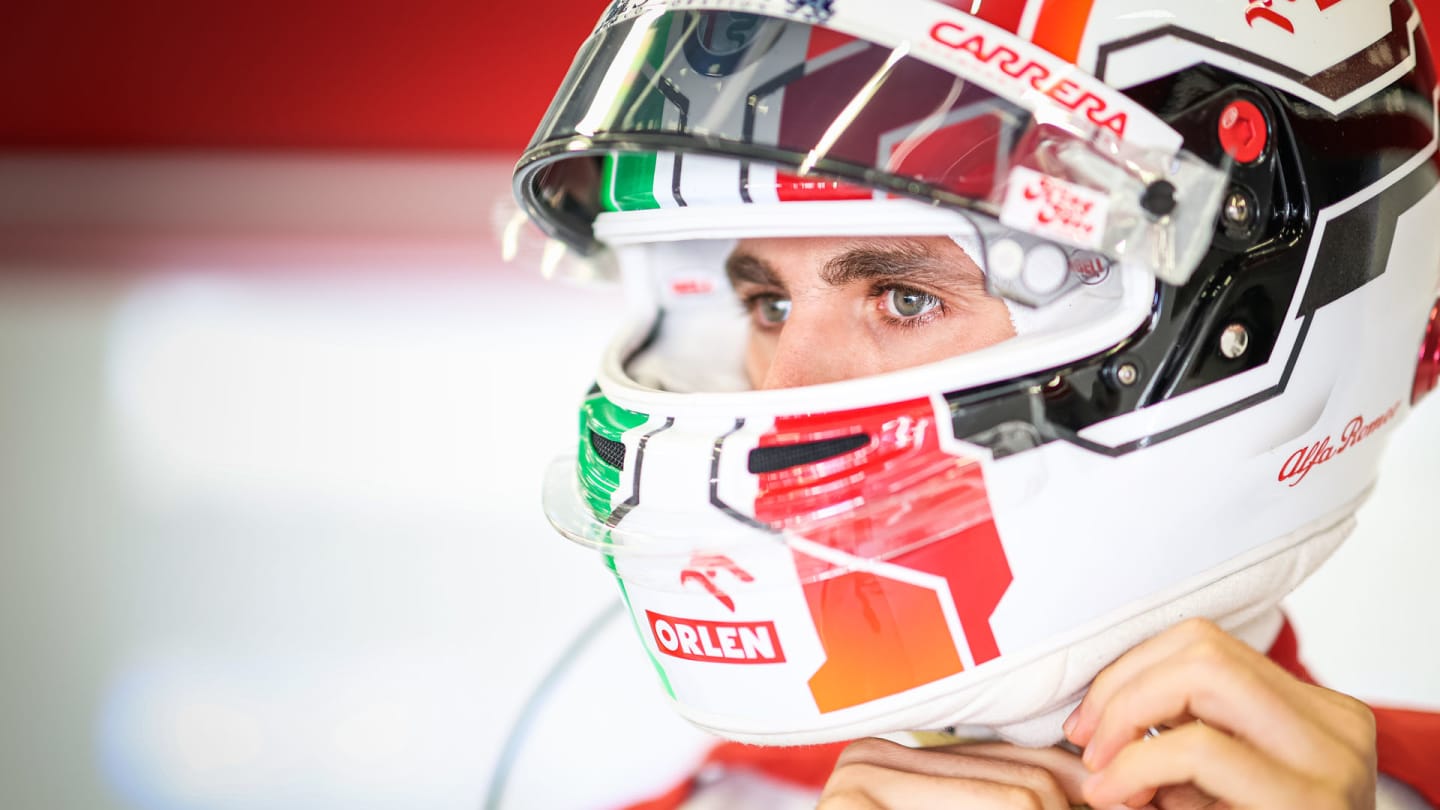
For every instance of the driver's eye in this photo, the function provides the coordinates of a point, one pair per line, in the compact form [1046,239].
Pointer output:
[770,310]
[904,303]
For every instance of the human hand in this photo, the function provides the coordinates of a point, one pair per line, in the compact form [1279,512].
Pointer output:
[1265,738]
[875,774]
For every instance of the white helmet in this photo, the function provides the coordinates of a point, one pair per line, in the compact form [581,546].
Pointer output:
[1215,232]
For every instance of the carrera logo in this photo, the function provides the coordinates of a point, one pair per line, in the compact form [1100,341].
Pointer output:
[717,642]
[1357,430]
[1066,92]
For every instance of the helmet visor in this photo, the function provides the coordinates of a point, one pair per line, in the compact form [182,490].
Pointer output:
[807,112]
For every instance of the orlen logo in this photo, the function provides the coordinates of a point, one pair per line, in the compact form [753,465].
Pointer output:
[716,642]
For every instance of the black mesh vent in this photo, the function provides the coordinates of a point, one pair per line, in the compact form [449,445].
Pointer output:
[610,451]
[771,459]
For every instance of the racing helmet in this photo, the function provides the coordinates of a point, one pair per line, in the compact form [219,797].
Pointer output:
[1214,233]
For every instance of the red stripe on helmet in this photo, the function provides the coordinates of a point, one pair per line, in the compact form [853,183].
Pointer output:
[790,187]
[902,499]
[824,40]
[1002,13]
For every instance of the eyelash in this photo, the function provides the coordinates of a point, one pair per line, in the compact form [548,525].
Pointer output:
[750,301]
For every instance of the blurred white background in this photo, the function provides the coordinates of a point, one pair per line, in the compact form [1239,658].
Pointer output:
[271,436]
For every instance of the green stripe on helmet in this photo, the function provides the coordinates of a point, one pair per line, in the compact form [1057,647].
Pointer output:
[635,622]
[628,182]
[600,480]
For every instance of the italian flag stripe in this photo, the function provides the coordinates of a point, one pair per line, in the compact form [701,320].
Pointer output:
[629,181]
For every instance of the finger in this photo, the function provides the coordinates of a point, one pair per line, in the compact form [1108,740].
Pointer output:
[847,800]
[1211,685]
[1348,719]
[868,786]
[1141,799]
[1191,634]
[960,763]
[1064,767]
[1220,765]
[1184,797]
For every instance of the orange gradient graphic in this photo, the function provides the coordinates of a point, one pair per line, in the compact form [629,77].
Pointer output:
[880,637]
[1061,26]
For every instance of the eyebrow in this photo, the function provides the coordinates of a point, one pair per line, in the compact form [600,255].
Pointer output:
[747,267]
[903,261]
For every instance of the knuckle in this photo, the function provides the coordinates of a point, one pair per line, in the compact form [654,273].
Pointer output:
[1199,628]
[1020,798]
[868,750]
[1209,665]
[852,777]
[1036,779]
[1362,716]
[1354,723]
[1208,651]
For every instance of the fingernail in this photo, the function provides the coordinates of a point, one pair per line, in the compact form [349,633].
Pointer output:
[1070,722]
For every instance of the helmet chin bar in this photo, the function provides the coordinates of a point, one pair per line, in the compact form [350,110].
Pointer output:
[1025,700]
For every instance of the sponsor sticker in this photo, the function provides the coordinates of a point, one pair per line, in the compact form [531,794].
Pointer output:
[716,642]
[1025,71]
[1302,461]
[1055,209]
[1265,11]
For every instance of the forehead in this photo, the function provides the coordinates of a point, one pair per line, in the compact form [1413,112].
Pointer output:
[838,260]
[835,245]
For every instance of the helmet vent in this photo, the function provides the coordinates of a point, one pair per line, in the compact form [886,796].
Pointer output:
[610,451]
[774,459]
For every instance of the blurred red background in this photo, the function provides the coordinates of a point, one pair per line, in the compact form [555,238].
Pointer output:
[447,75]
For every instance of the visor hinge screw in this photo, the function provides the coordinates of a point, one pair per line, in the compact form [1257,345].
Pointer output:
[1158,200]
[1127,374]
[1238,209]
[1234,341]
